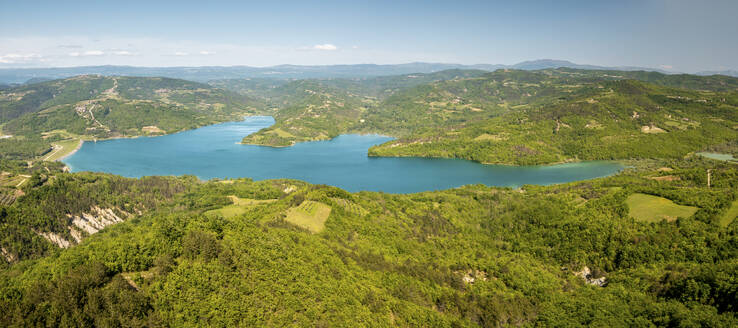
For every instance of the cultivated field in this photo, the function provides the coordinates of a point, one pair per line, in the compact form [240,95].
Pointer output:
[350,206]
[239,206]
[309,215]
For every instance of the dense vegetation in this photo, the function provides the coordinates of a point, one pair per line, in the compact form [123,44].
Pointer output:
[607,120]
[52,202]
[462,257]
[93,249]
[101,107]
[307,110]
[508,116]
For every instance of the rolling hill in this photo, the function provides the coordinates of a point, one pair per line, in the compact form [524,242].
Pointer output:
[230,253]
[116,106]
[510,116]
[94,107]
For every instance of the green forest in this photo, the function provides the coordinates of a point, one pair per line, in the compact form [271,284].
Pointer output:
[97,107]
[507,116]
[654,245]
[569,254]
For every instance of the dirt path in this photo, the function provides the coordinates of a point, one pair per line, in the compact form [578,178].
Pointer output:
[25,177]
[94,119]
[56,150]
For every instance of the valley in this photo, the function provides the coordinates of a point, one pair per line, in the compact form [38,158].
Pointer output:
[383,164]
[380,201]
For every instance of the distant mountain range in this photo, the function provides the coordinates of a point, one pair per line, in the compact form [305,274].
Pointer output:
[206,73]
[729,72]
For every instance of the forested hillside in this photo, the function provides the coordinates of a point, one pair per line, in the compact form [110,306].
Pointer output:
[321,109]
[621,119]
[307,110]
[241,253]
[116,106]
[510,116]
[87,107]
[655,245]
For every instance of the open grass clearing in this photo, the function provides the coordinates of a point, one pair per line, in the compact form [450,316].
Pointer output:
[648,208]
[239,206]
[282,133]
[487,136]
[730,215]
[248,201]
[309,215]
[228,211]
[62,149]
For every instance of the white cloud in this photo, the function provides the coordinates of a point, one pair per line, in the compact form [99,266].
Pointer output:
[87,53]
[326,46]
[67,51]
[180,53]
[666,66]
[123,53]
[354,47]
[205,52]
[16,58]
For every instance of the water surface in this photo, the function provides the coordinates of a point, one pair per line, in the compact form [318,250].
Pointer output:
[718,156]
[213,152]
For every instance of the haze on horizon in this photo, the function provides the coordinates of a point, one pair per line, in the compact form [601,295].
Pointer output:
[686,36]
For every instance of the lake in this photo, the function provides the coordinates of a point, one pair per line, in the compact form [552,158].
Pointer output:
[718,156]
[213,152]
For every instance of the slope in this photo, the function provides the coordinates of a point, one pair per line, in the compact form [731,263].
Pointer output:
[472,256]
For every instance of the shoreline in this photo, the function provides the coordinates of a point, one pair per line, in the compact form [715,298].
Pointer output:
[84,139]
[79,145]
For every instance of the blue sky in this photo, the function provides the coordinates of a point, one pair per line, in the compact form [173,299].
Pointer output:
[672,34]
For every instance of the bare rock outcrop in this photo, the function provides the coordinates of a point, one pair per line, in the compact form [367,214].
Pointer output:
[98,219]
[55,238]
[10,257]
[589,278]
[89,223]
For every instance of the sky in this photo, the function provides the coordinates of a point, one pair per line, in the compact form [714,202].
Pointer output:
[676,35]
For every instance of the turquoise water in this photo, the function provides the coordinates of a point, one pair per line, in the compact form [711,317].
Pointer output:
[719,157]
[213,152]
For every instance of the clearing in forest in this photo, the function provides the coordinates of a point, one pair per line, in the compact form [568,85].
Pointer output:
[730,215]
[650,208]
[62,149]
[309,215]
[239,206]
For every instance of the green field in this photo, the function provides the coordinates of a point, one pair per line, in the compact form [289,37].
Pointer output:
[248,201]
[62,149]
[239,206]
[227,211]
[650,208]
[730,215]
[309,215]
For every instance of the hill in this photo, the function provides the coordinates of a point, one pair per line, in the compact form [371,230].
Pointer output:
[107,107]
[206,73]
[654,245]
[512,116]
[320,109]
[229,253]
[603,120]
